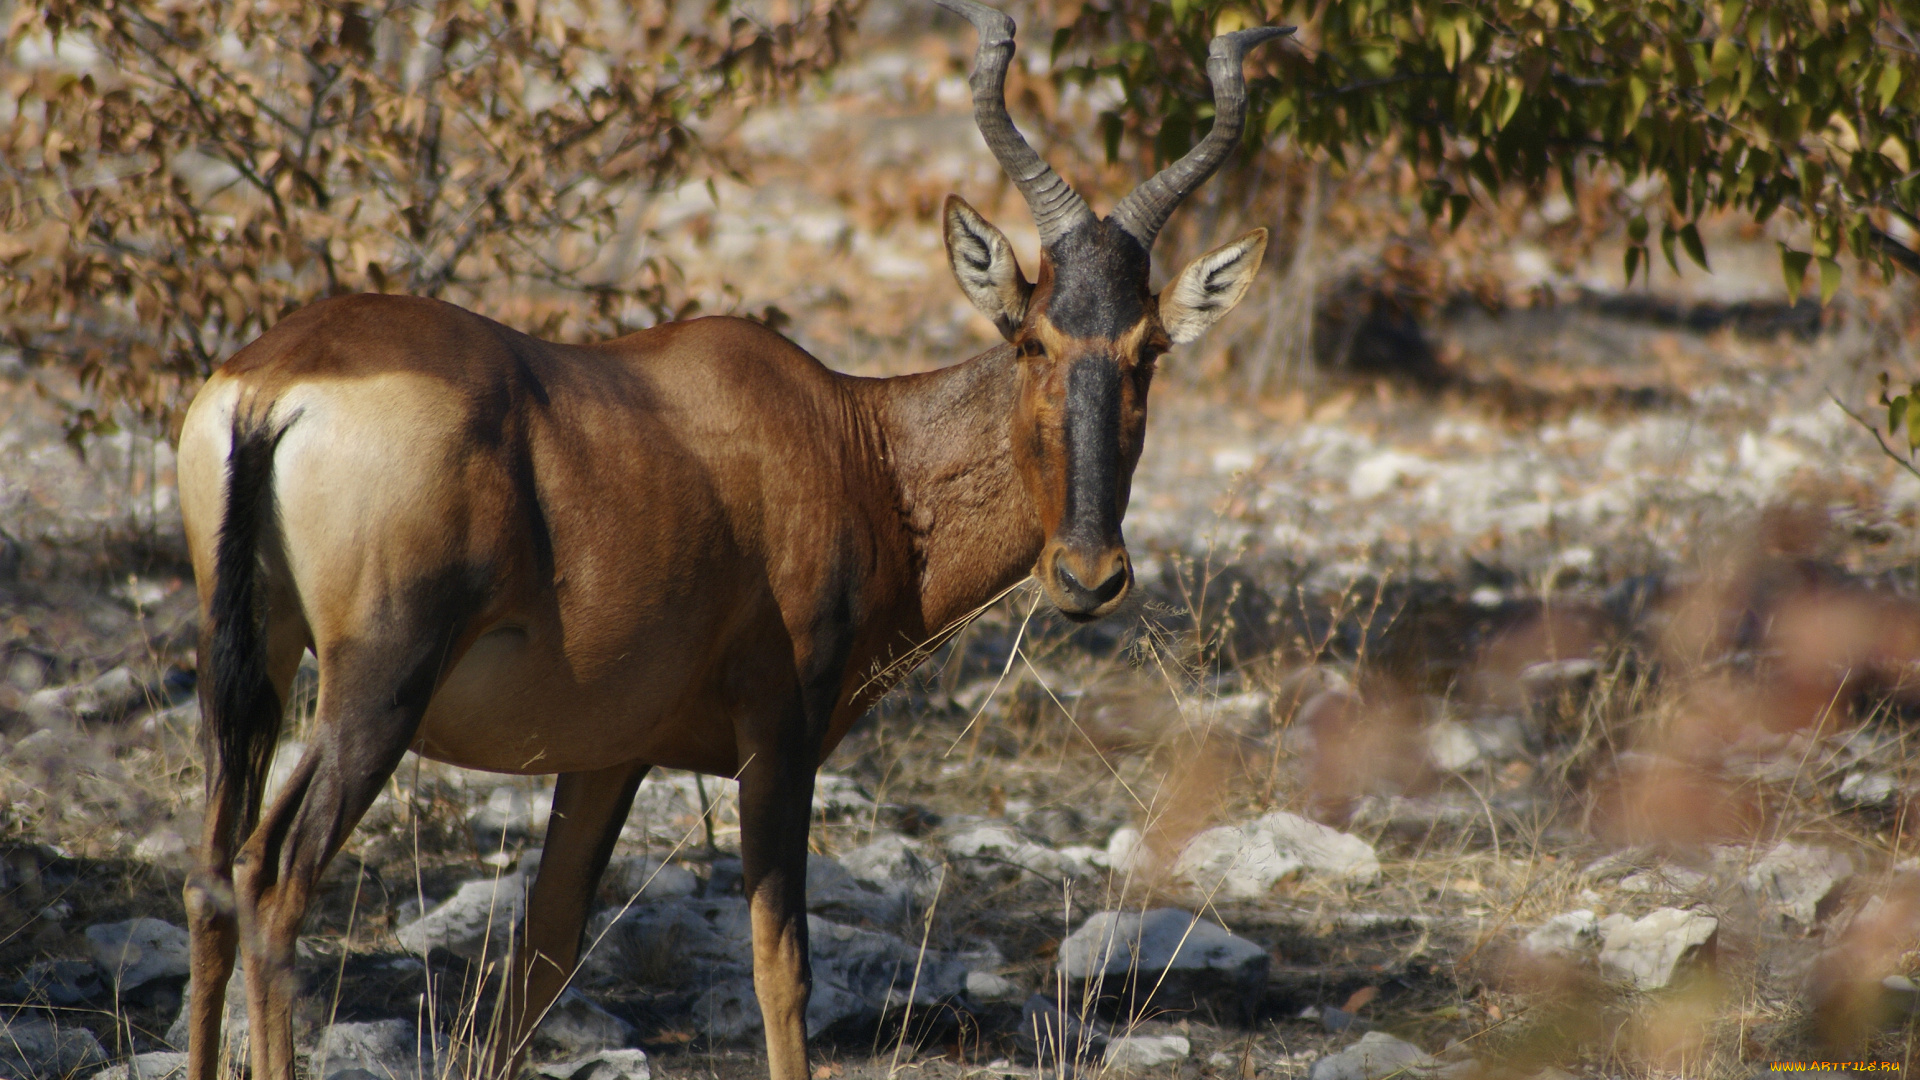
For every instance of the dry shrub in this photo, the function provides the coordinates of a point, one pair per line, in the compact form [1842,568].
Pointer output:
[178,177]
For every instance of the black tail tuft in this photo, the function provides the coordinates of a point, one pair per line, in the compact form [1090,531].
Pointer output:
[240,712]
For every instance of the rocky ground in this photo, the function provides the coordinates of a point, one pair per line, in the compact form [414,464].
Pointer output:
[1531,700]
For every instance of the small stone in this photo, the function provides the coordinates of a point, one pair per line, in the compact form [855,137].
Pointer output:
[1146,1051]
[1127,851]
[159,1065]
[389,1049]
[1050,1036]
[895,865]
[1867,789]
[1451,746]
[576,1027]
[138,951]
[1246,861]
[985,986]
[511,812]
[836,798]
[1166,948]
[60,983]
[1572,934]
[1794,878]
[1375,1056]
[1648,952]
[833,891]
[36,1049]
[1671,880]
[642,878]
[606,1065]
[479,920]
[161,845]
[991,848]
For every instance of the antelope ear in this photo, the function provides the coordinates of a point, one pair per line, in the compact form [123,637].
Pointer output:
[984,265]
[1210,286]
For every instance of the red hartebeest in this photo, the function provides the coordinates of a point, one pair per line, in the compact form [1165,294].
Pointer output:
[688,547]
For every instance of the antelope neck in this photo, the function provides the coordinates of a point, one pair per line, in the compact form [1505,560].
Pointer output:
[944,437]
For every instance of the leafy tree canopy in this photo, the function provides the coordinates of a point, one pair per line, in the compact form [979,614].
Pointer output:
[1803,106]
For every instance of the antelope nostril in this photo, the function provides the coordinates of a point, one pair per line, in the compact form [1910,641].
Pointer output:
[1066,578]
[1111,587]
[1095,595]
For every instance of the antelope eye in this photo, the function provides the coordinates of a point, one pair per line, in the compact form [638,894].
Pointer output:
[1031,349]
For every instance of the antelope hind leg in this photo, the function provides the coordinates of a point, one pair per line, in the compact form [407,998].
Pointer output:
[369,708]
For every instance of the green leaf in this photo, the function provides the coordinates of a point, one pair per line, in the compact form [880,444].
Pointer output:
[1279,114]
[1061,38]
[1637,229]
[1913,424]
[1896,412]
[1634,254]
[1830,283]
[1457,207]
[1889,84]
[1697,251]
[1637,93]
[1726,58]
[1667,237]
[1793,267]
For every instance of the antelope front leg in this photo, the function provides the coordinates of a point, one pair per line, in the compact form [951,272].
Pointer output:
[776,798]
[588,811]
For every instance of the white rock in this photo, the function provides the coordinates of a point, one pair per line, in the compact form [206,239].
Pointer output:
[512,810]
[606,1065]
[479,920]
[1678,880]
[642,878]
[857,974]
[137,951]
[989,846]
[159,1065]
[1246,713]
[1246,861]
[1867,789]
[36,1049]
[161,845]
[576,1026]
[1794,878]
[389,1049]
[833,891]
[985,986]
[1375,1056]
[1574,933]
[1146,1051]
[897,867]
[1451,746]
[1647,952]
[1127,851]
[839,797]
[1126,944]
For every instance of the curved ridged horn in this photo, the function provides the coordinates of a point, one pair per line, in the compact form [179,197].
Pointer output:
[1148,207]
[1056,207]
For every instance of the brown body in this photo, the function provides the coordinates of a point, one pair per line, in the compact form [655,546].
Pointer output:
[652,535]
[693,547]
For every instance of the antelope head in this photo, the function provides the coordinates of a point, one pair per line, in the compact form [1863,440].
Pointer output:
[1088,331]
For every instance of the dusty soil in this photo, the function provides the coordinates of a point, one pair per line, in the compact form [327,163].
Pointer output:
[1653,487]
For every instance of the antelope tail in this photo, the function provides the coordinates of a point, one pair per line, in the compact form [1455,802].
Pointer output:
[240,713]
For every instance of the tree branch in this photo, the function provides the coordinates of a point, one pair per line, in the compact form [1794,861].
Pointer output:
[1884,448]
